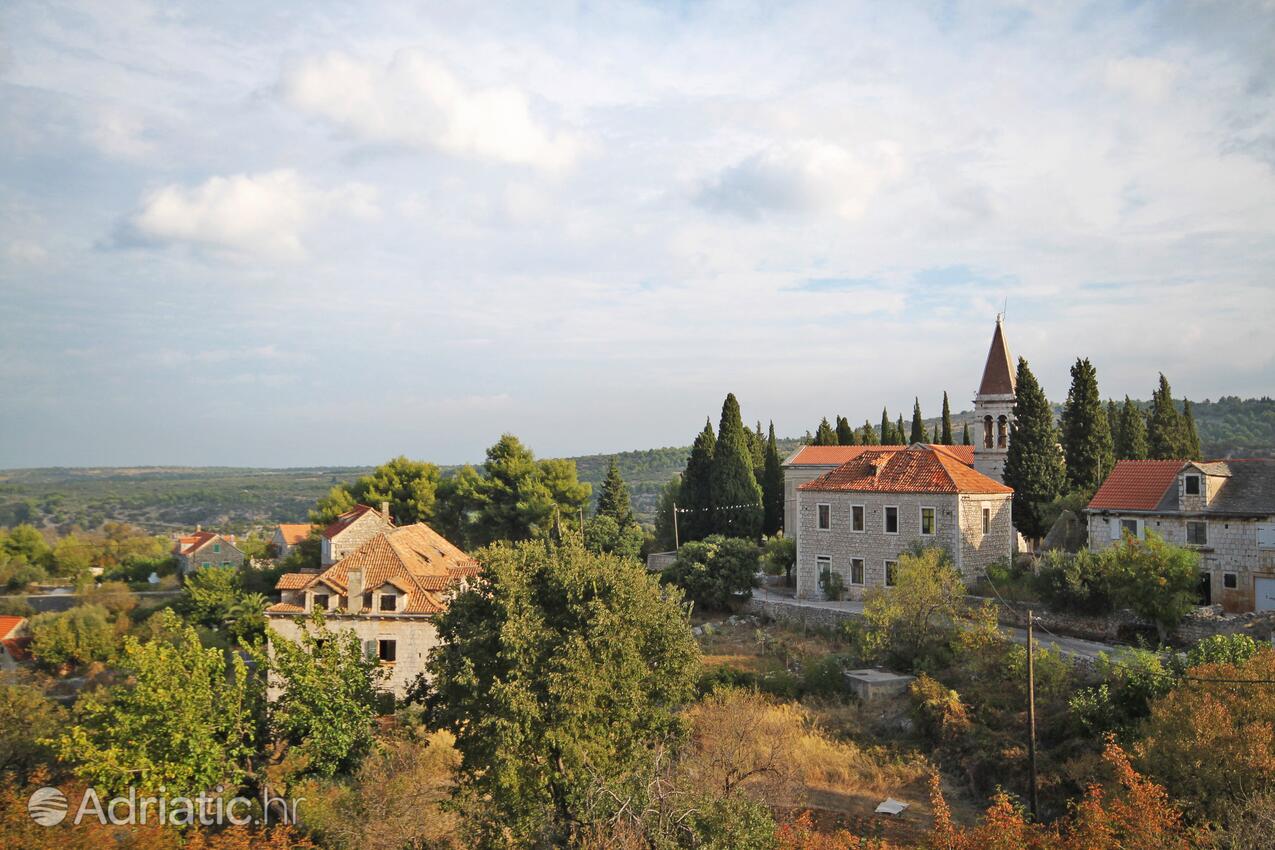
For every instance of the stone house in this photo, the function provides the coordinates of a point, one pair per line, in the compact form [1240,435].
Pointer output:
[387,591]
[206,549]
[287,535]
[351,530]
[15,643]
[856,520]
[1224,510]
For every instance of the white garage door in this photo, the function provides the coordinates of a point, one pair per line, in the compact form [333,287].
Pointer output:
[1264,594]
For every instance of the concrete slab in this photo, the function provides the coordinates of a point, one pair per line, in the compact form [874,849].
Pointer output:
[871,683]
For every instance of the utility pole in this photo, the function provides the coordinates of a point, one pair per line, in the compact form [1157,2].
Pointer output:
[582,521]
[676,544]
[1031,712]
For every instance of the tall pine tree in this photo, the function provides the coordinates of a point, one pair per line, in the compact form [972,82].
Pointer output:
[945,437]
[965,434]
[1190,437]
[695,521]
[1165,429]
[1086,435]
[613,500]
[1113,423]
[845,434]
[1033,463]
[824,435]
[736,496]
[900,435]
[1132,433]
[887,429]
[919,434]
[773,488]
[868,436]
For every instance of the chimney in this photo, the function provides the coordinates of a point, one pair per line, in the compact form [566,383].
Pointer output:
[354,590]
[385,511]
[199,527]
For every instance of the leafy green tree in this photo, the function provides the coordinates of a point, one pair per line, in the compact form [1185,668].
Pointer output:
[887,429]
[1190,437]
[1166,432]
[1086,434]
[945,435]
[697,487]
[327,694]
[919,433]
[613,500]
[665,539]
[27,719]
[914,620]
[75,636]
[1155,579]
[337,501]
[1132,444]
[1033,463]
[845,434]
[410,486]
[209,594]
[716,571]
[16,573]
[183,721]
[772,488]
[824,434]
[965,435]
[868,436]
[559,667]
[26,542]
[603,535]
[736,496]
[779,557]
[457,511]
[73,556]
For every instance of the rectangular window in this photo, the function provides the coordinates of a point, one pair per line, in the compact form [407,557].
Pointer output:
[205,565]
[1197,533]
[1192,485]
[1230,581]
[367,600]
[1129,526]
[320,602]
[889,572]
[987,520]
[891,520]
[387,650]
[825,516]
[388,602]
[1266,535]
[927,521]
[823,568]
[856,571]
[216,548]
[856,518]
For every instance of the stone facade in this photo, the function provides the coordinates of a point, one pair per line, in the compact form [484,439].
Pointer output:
[213,550]
[354,534]
[794,477]
[994,415]
[958,529]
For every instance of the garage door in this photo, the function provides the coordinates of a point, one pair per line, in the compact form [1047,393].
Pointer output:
[1264,594]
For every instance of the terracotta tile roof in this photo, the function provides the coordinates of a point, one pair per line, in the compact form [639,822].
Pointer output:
[9,623]
[294,532]
[18,648]
[965,454]
[918,469]
[1136,485]
[999,375]
[837,455]
[285,608]
[414,558]
[192,542]
[345,520]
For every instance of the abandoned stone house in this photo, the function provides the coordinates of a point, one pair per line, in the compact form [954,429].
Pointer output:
[351,530]
[387,591]
[1224,510]
[206,549]
[855,520]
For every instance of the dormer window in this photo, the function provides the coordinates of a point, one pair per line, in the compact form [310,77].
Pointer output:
[1192,485]
[389,602]
[320,601]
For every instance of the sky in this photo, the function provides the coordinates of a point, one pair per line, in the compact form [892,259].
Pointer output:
[312,233]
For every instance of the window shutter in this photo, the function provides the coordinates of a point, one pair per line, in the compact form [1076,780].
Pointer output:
[1114,523]
[1266,535]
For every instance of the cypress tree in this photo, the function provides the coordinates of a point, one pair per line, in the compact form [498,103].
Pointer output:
[946,437]
[869,435]
[887,429]
[736,496]
[900,436]
[919,434]
[824,435]
[965,435]
[1165,430]
[614,500]
[1086,434]
[757,449]
[845,434]
[1033,464]
[773,488]
[1113,422]
[1191,444]
[1132,444]
[697,487]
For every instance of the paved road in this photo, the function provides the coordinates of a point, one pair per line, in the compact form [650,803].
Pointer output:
[1077,647]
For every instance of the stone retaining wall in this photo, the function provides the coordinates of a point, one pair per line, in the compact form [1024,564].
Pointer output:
[1205,622]
[799,616]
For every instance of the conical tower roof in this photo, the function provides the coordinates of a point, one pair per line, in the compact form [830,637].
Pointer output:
[999,377]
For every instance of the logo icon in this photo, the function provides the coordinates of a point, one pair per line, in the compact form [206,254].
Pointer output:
[47,806]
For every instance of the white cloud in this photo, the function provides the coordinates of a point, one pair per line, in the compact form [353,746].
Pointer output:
[263,215]
[806,176]
[25,252]
[1143,78]
[418,102]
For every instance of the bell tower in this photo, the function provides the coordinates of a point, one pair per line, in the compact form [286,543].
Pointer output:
[994,407]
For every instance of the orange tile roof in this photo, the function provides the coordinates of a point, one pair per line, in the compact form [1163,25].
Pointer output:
[965,454]
[18,648]
[294,532]
[1136,485]
[285,608]
[293,581]
[9,623]
[192,542]
[345,520]
[918,469]
[837,455]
